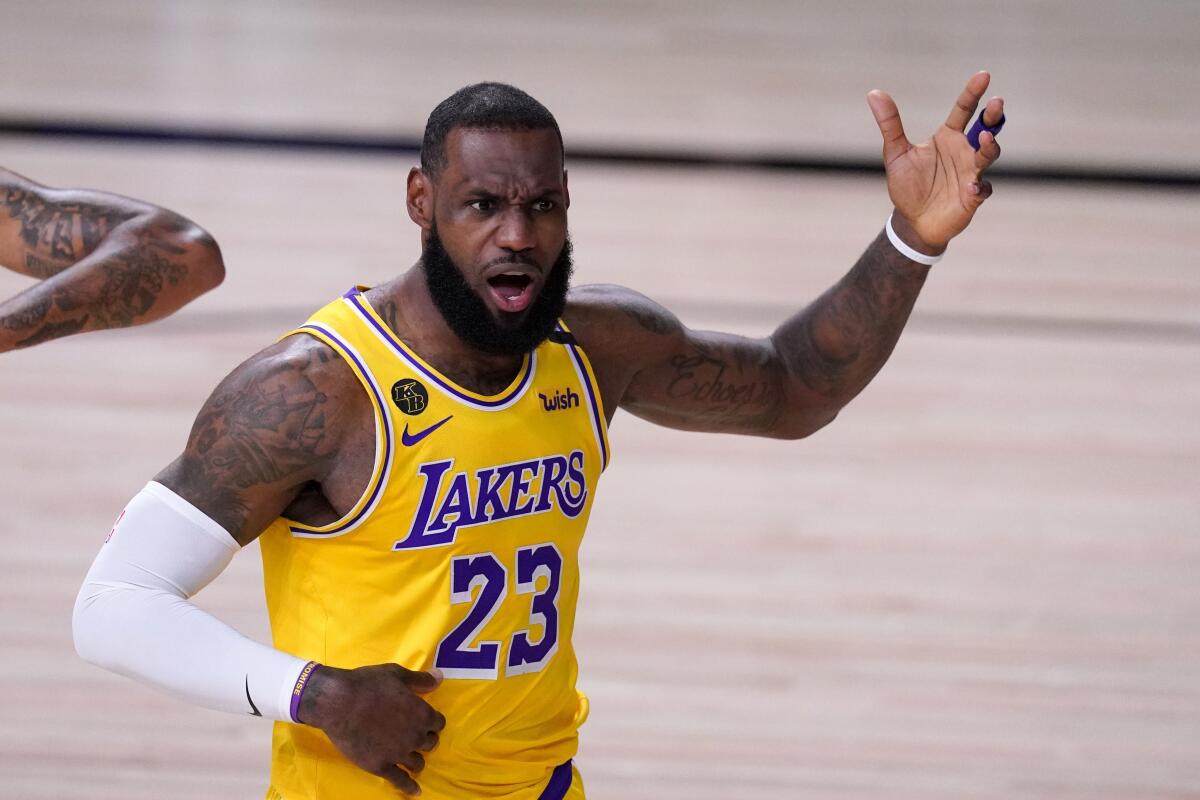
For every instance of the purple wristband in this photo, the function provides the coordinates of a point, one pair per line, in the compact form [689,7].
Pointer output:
[979,127]
[298,690]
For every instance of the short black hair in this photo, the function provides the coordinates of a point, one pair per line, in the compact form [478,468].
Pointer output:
[483,106]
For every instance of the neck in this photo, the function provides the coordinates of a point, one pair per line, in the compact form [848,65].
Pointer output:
[406,306]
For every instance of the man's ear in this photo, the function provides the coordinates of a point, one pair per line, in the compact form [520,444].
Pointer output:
[420,198]
[566,192]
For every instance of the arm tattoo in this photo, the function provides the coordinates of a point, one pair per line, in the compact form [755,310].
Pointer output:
[791,385]
[132,284]
[28,317]
[54,330]
[258,430]
[57,235]
[127,287]
[837,344]
[40,267]
[728,386]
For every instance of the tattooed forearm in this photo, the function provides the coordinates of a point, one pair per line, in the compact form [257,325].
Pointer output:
[54,330]
[132,285]
[37,267]
[54,235]
[114,293]
[836,345]
[28,316]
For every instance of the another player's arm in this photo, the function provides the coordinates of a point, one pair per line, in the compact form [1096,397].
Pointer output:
[275,426]
[104,261]
[795,381]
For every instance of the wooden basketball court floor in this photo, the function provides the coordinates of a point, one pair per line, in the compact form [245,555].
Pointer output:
[983,580]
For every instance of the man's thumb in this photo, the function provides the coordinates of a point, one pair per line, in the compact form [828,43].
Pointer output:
[887,117]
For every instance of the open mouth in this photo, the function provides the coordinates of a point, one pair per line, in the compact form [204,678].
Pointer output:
[513,291]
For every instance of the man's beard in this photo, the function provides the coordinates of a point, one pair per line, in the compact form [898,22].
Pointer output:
[469,317]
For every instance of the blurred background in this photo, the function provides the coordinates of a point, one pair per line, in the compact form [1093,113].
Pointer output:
[983,580]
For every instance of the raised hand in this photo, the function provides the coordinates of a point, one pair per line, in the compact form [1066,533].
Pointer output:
[938,185]
[376,718]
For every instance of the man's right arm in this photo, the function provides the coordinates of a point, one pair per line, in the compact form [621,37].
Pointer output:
[272,428]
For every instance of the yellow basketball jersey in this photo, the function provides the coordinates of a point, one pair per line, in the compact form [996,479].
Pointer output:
[462,553]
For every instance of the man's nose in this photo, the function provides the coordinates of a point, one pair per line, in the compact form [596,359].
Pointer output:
[516,231]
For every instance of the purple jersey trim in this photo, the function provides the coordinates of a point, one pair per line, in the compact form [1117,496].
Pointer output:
[560,781]
[593,404]
[387,435]
[355,298]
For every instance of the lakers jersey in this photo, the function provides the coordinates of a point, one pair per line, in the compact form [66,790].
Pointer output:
[462,553]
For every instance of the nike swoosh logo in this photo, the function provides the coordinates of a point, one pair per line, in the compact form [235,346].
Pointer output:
[254,708]
[410,439]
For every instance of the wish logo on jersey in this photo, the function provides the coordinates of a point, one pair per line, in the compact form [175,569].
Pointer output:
[562,400]
[453,500]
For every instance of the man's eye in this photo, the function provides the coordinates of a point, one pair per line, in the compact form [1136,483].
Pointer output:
[482,205]
[543,205]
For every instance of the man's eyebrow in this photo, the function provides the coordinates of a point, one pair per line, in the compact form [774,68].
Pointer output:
[481,192]
[474,192]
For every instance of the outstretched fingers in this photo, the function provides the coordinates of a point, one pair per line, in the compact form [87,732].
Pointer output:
[993,112]
[968,101]
[887,117]
[988,152]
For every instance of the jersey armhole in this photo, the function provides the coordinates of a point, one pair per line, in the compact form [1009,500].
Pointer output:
[583,368]
[384,438]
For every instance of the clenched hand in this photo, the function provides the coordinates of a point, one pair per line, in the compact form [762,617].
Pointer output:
[376,717]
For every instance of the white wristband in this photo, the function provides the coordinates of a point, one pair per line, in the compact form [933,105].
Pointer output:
[907,251]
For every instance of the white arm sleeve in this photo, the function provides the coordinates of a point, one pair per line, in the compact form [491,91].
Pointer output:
[132,615]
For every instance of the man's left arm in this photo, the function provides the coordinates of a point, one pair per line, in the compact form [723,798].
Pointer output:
[795,381]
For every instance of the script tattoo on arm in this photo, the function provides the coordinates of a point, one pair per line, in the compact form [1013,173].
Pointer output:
[650,364]
[710,382]
[258,441]
[722,386]
[787,385]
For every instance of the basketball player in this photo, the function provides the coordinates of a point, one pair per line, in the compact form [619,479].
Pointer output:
[418,462]
[104,261]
